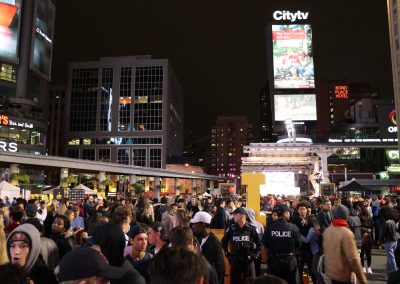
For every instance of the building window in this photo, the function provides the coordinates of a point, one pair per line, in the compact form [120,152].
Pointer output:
[83,108]
[155,158]
[148,98]
[8,73]
[104,155]
[139,157]
[125,99]
[73,153]
[89,154]
[106,99]
[123,156]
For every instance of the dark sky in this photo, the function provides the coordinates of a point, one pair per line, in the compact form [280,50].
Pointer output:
[218,48]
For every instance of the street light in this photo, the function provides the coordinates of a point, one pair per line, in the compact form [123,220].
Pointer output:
[290,130]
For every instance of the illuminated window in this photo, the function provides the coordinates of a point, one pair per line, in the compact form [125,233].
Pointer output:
[8,73]
[87,141]
[73,142]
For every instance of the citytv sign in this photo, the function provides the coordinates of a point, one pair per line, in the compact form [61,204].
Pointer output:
[289,16]
[393,121]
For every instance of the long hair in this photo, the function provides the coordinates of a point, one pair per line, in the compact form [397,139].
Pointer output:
[3,250]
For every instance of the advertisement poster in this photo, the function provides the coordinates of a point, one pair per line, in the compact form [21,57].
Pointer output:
[10,13]
[293,57]
[279,183]
[43,37]
[295,107]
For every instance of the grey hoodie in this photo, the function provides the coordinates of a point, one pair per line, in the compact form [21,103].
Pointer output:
[252,216]
[34,235]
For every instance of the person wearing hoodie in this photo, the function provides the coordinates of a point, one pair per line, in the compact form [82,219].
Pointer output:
[260,231]
[59,228]
[109,239]
[354,222]
[23,249]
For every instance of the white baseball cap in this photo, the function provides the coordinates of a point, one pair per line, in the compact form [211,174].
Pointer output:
[202,217]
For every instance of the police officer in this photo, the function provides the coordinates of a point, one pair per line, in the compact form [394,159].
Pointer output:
[282,240]
[245,247]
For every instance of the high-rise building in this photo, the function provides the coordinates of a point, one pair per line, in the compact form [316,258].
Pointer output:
[228,136]
[394,25]
[266,131]
[126,110]
[56,117]
[26,40]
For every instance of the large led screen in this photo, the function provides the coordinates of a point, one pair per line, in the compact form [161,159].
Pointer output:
[43,39]
[296,107]
[279,183]
[10,13]
[292,56]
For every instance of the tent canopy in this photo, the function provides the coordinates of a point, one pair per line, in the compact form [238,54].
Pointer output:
[9,190]
[354,186]
[87,189]
[51,190]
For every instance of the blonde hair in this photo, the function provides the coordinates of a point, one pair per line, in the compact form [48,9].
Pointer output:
[3,245]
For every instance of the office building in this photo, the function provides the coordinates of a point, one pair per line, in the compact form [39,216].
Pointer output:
[126,110]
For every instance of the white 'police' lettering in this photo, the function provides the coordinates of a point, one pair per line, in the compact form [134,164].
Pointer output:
[281,234]
[241,238]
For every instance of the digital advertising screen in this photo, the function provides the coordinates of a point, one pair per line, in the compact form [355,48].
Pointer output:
[279,183]
[43,37]
[292,57]
[10,13]
[296,107]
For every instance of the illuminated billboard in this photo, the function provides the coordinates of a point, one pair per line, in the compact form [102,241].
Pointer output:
[292,56]
[43,37]
[296,107]
[279,183]
[10,13]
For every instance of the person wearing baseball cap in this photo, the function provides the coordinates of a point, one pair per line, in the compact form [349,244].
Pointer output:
[87,265]
[246,247]
[23,249]
[282,239]
[139,257]
[156,237]
[210,245]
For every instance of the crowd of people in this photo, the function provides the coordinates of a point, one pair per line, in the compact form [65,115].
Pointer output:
[98,240]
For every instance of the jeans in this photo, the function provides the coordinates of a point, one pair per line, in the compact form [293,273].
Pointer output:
[390,248]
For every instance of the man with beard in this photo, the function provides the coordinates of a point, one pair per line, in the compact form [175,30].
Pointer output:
[210,245]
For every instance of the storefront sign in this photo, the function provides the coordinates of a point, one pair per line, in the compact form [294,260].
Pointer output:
[8,146]
[5,120]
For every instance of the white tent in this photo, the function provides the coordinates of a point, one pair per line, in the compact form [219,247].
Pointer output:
[9,190]
[87,189]
[51,190]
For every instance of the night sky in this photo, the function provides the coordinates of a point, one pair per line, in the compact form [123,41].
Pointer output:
[218,48]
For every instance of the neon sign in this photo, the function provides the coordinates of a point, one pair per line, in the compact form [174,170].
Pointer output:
[392,119]
[342,92]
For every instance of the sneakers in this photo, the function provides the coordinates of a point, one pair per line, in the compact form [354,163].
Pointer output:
[365,270]
[369,270]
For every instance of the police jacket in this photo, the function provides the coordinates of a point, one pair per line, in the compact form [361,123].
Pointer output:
[281,238]
[245,242]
